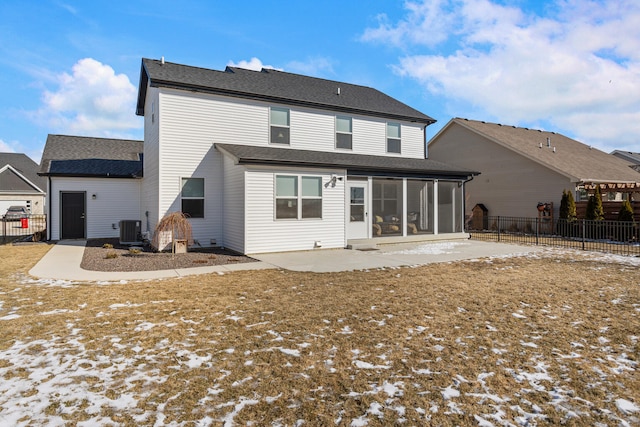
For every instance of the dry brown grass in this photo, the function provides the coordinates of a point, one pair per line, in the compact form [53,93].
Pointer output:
[552,340]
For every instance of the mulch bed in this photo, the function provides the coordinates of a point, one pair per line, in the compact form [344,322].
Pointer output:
[117,257]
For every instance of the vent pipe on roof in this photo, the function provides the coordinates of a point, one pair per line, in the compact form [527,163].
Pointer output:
[540,146]
[338,93]
[162,60]
[554,149]
[548,142]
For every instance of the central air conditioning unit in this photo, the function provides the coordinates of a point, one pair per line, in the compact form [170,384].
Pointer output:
[130,232]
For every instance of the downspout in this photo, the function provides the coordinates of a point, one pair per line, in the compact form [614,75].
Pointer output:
[49,209]
[426,153]
[464,200]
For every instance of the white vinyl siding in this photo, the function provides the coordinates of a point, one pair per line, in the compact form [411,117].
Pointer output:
[187,151]
[266,234]
[233,205]
[116,199]
[234,121]
[150,183]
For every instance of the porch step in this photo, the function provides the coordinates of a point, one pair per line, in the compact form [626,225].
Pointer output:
[363,247]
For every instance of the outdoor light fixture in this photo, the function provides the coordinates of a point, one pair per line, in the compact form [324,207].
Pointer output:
[93,196]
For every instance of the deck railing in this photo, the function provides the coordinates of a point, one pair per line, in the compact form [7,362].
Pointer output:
[32,227]
[617,237]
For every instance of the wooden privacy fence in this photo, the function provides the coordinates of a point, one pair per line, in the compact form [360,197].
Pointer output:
[618,237]
[611,209]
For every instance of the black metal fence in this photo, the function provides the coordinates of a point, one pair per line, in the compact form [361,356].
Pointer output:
[617,237]
[31,227]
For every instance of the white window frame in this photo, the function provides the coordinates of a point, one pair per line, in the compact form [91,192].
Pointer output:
[299,197]
[392,125]
[273,126]
[183,197]
[340,132]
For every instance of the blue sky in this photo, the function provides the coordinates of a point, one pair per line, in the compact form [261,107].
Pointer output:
[569,66]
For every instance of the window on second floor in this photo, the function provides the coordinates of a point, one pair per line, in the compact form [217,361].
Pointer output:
[279,124]
[393,138]
[193,197]
[344,135]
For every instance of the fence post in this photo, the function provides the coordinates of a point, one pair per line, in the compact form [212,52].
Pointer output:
[584,232]
[498,228]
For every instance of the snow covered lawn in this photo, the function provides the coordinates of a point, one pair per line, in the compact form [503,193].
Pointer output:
[547,340]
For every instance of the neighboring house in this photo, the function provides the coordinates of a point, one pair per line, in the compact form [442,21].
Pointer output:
[20,184]
[92,184]
[629,156]
[265,161]
[522,167]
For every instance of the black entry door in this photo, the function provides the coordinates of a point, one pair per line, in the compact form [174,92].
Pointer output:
[73,212]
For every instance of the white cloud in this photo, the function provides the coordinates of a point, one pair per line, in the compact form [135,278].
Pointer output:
[577,69]
[315,66]
[92,100]
[5,148]
[254,64]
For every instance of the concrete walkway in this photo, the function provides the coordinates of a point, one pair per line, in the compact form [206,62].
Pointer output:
[62,262]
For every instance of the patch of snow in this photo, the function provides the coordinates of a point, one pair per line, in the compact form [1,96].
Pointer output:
[626,406]
[366,365]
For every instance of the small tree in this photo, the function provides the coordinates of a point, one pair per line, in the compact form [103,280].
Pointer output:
[177,225]
[626,212]
[564,208]
[595,211]
[567,213]
[571,207]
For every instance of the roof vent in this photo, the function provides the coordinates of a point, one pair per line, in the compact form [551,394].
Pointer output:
[338,92]
[554,149]
[162,60]
[549,142]
[540,146]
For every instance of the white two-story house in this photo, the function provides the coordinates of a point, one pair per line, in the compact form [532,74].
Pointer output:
[266,161]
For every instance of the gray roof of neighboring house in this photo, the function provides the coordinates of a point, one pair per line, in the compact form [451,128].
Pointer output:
[629,156]
[354,163]
[92,157]
[24,166]
[276,86]
[571,158]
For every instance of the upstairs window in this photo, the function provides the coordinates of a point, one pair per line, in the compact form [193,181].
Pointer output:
[393,138]
[279,120]
[344,134]
[193,197]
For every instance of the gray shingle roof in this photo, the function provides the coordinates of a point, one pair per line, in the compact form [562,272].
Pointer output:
[25,167]
[276,86]
[354,163]
[627,156]
[576,160]
[86,156]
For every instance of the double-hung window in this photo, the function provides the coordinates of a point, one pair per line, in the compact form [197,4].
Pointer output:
[279,123]
[193,197]
[393,138]
[298,197]
[344,135]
